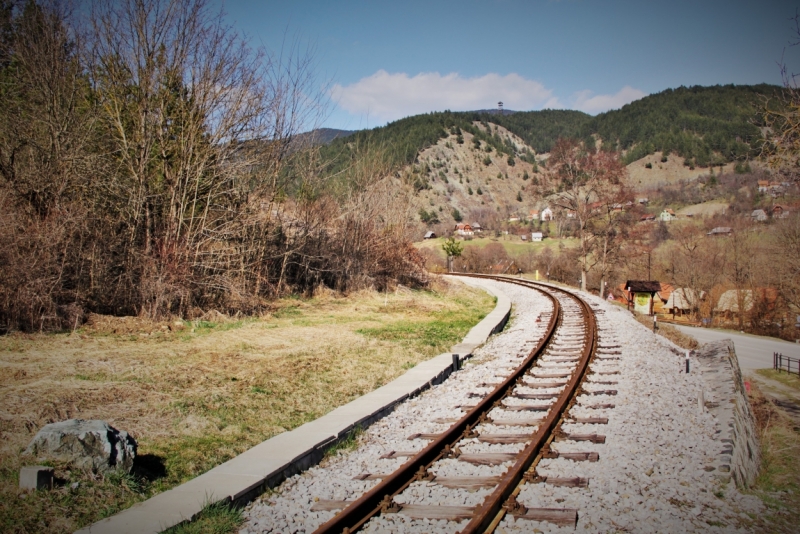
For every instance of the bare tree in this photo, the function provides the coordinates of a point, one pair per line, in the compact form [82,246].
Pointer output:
[199,124]
[590,180]
[47,124]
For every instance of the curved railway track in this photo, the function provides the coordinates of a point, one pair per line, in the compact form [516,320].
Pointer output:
[559,361]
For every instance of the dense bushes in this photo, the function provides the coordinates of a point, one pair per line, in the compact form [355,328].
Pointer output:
[129,184]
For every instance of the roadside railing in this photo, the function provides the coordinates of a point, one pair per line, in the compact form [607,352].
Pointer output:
[785,363]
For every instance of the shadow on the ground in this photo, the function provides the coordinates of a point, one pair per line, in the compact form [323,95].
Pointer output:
[149,467]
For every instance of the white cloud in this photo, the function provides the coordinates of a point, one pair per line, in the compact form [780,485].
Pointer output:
[389,97]
[584,101]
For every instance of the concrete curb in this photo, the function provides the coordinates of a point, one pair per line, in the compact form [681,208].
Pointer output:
[269,463]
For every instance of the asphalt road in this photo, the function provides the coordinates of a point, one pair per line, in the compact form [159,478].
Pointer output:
[753,352]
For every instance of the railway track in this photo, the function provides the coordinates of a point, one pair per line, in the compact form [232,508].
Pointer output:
[525,409]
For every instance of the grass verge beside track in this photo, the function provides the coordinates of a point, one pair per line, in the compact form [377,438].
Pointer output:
[778,483]
[195,394]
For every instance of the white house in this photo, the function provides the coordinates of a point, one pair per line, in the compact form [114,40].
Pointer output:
[464,230]
[547,214]
[536,236]
[668,215]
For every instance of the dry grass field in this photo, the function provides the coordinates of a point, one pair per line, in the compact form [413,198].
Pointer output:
[195,394]
[778,483]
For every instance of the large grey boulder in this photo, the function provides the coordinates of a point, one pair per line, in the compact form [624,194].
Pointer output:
[85,444]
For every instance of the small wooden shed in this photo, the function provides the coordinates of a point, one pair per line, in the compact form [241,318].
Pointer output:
[640,295]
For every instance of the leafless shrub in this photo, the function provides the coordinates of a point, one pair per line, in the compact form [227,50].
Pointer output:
[149,169]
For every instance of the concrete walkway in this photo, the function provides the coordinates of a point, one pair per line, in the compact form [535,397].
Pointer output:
[269,463]
[754,352]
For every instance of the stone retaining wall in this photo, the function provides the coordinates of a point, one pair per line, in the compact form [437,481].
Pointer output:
[726,398]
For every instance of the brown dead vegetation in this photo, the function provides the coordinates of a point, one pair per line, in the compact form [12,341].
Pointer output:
[196,395]
[130,184]
[778,483]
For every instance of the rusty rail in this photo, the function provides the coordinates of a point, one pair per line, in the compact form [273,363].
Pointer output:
[379,498]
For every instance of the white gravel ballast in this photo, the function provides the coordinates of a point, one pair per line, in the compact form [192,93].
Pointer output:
[655,471]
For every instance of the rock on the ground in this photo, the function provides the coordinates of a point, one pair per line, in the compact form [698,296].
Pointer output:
[92,444]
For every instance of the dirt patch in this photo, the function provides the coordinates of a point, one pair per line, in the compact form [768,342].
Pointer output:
[640,177]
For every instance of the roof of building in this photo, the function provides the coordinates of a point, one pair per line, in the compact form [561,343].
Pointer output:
[643,286]
[729,301]
[684,298]
[721,230]
[430,234]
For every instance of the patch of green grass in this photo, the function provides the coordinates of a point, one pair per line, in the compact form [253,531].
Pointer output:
[791,380]
[288,312]
[350,443]
[201,328]
[448,328]
[79,497]
[205,417]
[218,518]
[778,482]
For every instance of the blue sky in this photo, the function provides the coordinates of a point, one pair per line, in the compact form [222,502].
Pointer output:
[384,60]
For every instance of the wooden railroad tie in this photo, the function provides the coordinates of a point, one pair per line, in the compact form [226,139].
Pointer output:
[599,406]
[590,420]
[564,517]
[543,385]
[517,422]
[572,482]
[535,396]
[574,456]
[505,438]
[488,458]
[594,438]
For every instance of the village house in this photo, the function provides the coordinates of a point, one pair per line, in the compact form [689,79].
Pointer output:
[668,215]
[734,301]
[647,217]
[720,231]
[536,236]
[533,215]
[430,235]
[547,214]
[683,301]
[513,219]
[661,297]
[464,230]
[759,215]
[779,212]
[644,201]
[477,228]
[763,186]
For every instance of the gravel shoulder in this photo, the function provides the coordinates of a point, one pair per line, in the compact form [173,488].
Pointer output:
[654,472]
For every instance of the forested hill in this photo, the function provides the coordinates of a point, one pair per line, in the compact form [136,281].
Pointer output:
[704,125]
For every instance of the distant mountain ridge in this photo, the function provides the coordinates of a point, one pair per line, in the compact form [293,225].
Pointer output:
[321,136]
[704,125]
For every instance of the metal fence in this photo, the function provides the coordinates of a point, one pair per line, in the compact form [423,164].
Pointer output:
[785,363]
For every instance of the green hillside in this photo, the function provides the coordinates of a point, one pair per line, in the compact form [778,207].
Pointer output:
[703,125]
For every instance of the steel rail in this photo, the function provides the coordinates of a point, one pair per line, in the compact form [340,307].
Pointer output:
[379,498]
[492,508]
